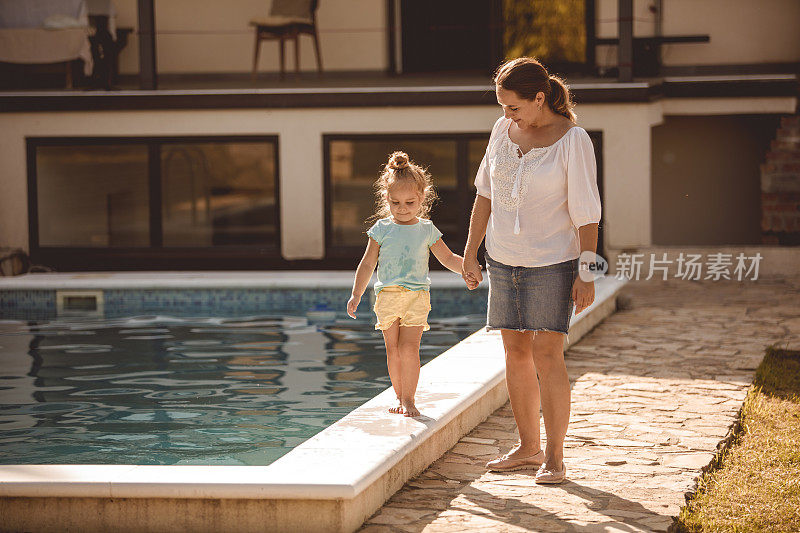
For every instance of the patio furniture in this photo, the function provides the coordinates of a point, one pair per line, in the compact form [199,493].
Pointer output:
[107,42]
[287,20]
[13,262]
[45,31]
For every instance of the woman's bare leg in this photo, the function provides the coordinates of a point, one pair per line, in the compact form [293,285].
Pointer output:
[548,356]
[523,390]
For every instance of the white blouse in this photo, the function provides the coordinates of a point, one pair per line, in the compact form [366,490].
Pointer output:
[540,199]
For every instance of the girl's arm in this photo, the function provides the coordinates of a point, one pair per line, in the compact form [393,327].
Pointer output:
[477,231]
[363,274]
[446,257]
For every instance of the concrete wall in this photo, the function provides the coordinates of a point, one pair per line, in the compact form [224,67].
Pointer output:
[740,31]
[211,36]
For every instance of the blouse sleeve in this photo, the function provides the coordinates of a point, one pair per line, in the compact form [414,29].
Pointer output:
[583,198]
[376,232]
[483,180]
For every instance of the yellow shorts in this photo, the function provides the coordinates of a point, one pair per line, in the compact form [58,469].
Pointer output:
[396,302]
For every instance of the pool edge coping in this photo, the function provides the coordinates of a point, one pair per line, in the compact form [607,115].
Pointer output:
[210,280]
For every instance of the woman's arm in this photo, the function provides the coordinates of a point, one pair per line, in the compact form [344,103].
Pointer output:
[583,290]
[363,274]
[446,256]
[478,221]
[588,237]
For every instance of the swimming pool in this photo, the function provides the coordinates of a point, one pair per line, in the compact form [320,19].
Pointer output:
[176,390]
[331,482]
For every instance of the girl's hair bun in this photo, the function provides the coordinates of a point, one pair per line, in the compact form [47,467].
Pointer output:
[398,161]
[399,169]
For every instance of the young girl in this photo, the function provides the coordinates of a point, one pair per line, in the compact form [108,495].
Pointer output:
[398,244]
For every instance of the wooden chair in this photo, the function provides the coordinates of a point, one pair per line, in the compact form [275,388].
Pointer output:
[287,20]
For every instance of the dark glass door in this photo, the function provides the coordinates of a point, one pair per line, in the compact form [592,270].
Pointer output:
[451,35]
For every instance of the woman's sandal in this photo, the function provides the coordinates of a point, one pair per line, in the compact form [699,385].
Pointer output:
[547,476]
[507,464]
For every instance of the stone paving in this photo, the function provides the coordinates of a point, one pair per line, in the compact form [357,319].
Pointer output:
[655,388]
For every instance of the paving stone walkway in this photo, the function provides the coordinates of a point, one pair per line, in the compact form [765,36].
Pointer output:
[655,388]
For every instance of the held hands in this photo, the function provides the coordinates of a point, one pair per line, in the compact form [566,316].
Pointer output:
[582,294]
[471,272]
[471,282]
[352,303]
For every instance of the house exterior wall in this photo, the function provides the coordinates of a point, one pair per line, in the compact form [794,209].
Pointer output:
[625,139]
[626,132]
[734,37]
[216,37]
[700,200]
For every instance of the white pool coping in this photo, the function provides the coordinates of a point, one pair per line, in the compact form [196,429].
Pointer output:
[312,279]
[340,462]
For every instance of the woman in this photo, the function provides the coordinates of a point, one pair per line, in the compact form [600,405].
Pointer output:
[538,207]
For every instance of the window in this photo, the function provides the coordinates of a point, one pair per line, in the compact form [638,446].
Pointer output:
[152,196]
[475,37]
[449,35]
[93,196]
[354,162]
[553,31]
[216,194]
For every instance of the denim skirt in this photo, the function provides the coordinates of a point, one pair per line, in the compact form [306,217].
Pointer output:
[530,298]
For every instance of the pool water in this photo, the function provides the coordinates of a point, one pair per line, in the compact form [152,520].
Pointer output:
[168,390]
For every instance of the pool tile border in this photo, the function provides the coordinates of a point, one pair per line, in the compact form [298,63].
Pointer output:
[35,296]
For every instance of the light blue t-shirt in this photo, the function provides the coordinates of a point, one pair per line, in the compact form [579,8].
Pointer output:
[403,257]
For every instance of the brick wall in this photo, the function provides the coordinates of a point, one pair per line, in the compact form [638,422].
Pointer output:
[780,186]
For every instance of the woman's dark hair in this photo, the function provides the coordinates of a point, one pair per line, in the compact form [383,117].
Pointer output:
[527,77]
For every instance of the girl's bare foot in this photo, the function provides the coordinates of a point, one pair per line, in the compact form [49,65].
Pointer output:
[409,409]
[398,409]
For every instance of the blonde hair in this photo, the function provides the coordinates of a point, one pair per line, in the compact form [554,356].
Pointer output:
[400,170]
[527,77]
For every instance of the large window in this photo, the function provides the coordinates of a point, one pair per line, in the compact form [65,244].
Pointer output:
[93,196]
[449,35]
[354,162]
[154,197]
[554,31]
[475,37]
[216,194]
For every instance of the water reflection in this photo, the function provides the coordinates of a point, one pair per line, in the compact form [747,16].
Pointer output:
[168,390]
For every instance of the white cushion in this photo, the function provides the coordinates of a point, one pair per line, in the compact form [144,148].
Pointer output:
[279,21]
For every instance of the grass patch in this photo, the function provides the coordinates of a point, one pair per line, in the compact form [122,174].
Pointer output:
[755,485]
